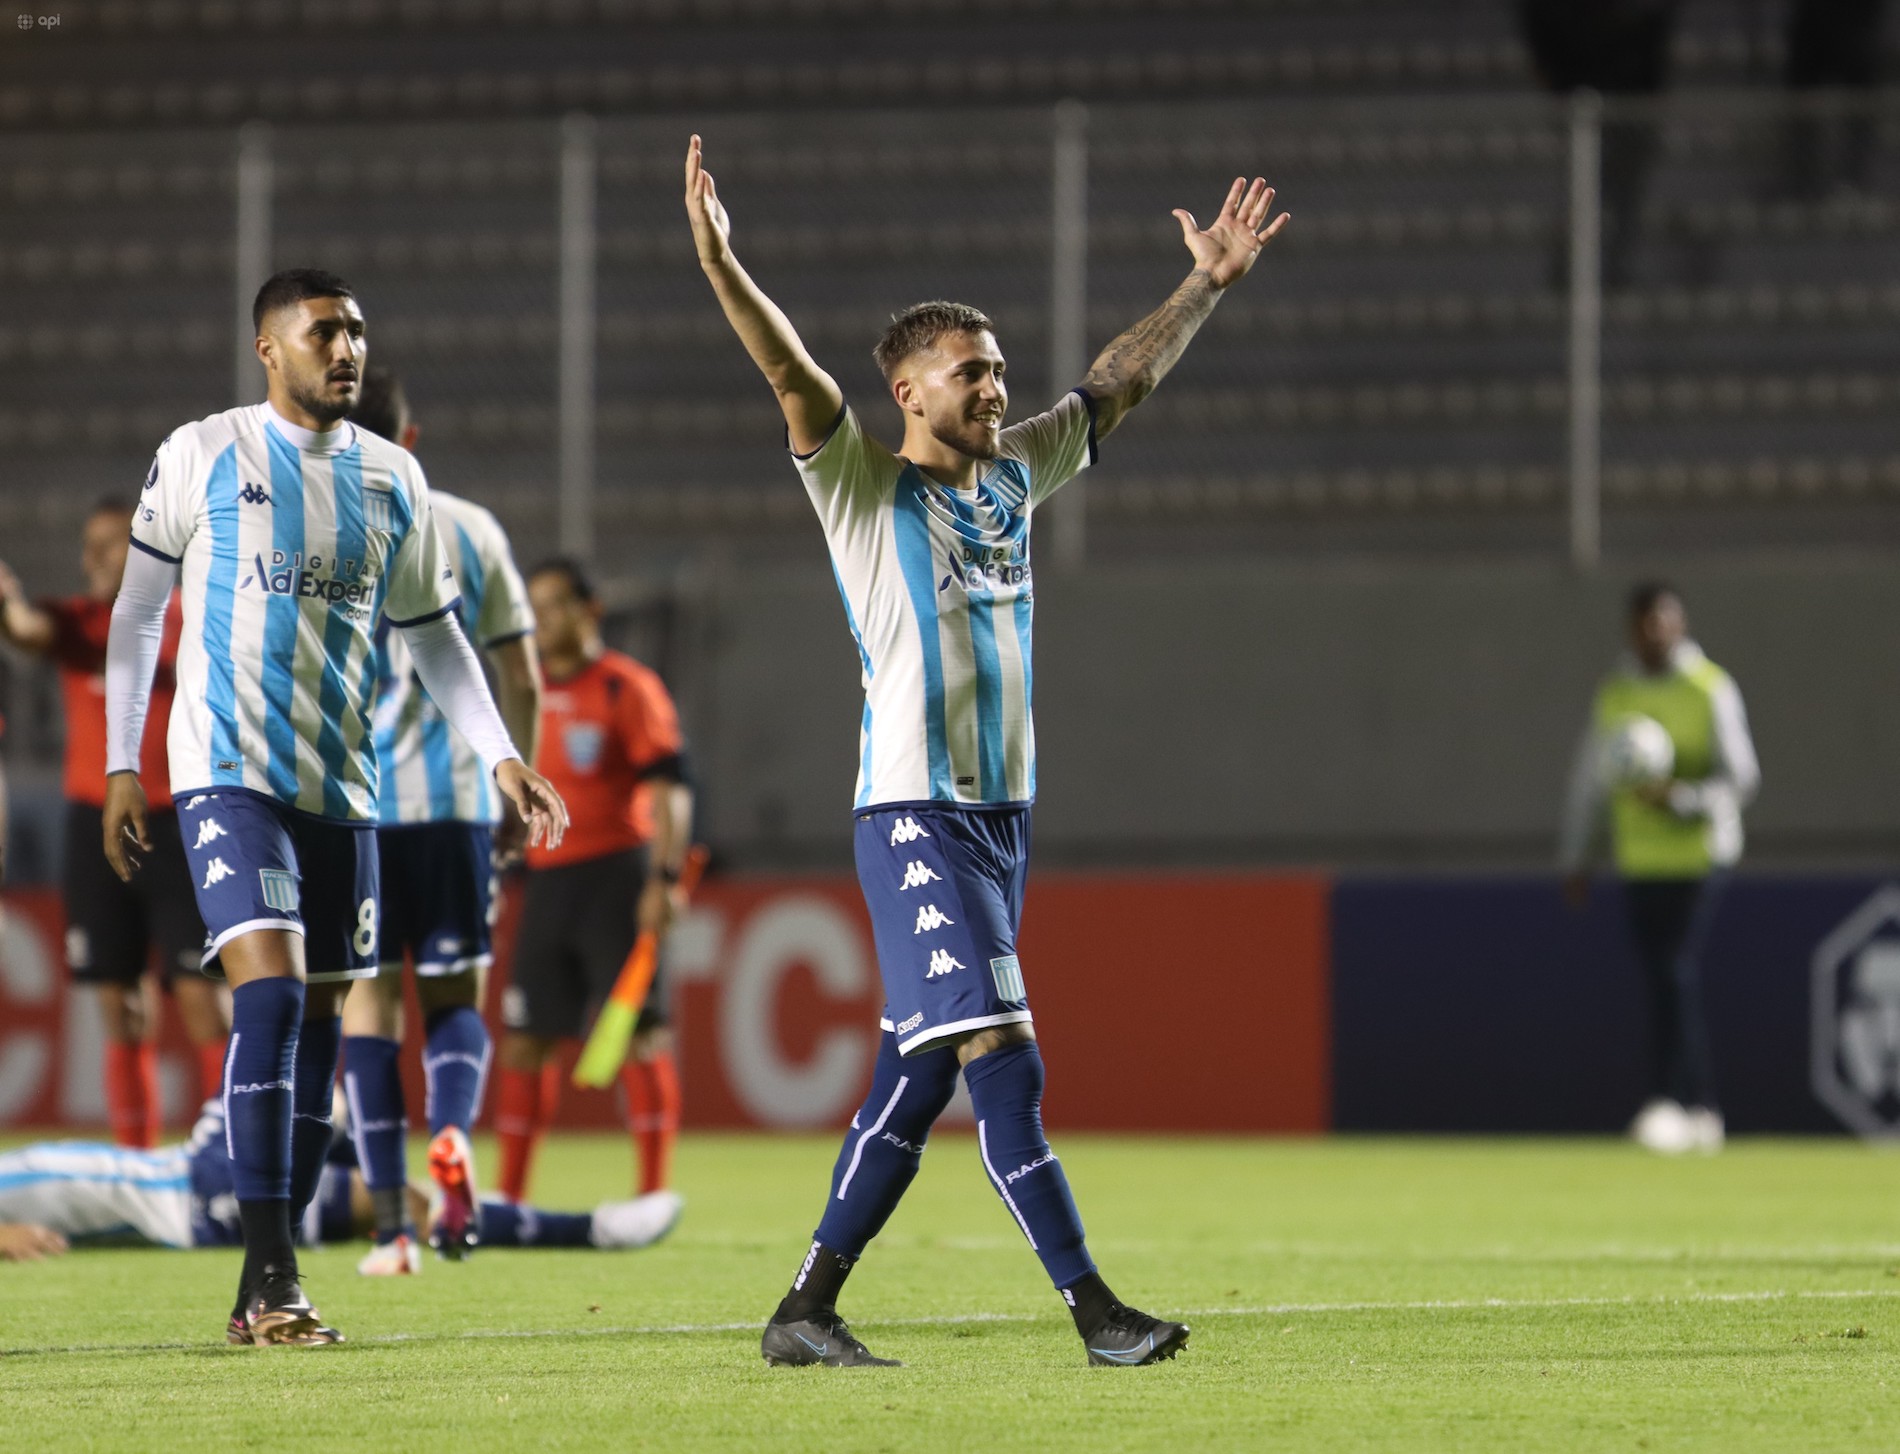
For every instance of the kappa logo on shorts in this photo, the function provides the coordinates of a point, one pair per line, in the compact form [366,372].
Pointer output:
[907,830]
[196,799]
[280,888]
[207,830]
[1008,974]
[917,873]
[941,963]
[911,1024]
[216,872]
[931,917]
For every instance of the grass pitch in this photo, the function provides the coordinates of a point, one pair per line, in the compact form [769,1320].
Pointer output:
[1345,1294]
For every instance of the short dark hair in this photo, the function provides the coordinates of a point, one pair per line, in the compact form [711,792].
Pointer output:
[921,325]
[293,285]
[381,403]
[573,570]
[1646,595]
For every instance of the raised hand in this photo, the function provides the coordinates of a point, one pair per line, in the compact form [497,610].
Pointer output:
[712,229]
[1229,246]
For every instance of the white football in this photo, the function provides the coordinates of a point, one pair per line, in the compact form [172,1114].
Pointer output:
[1637,752]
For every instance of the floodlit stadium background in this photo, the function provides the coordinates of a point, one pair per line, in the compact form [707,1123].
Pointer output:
[1317,638]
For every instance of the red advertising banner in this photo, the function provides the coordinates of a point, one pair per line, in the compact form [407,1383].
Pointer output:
[1189,1002]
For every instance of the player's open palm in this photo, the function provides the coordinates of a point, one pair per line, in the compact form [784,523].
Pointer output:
[712,229]
[1229,245]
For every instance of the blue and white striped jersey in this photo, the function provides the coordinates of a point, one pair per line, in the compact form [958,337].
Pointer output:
[430,774]
[291,547]
[938,591]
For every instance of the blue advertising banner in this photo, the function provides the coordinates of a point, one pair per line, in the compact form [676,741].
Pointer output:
[1487,1004]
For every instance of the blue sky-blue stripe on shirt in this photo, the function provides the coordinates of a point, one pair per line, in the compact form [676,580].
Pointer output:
[333,690]
[472,578]
[992,770]
[1023,609]
[920,580]
[282,614]
[221,503]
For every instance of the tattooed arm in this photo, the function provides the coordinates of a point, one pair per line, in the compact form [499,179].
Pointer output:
[1131,366]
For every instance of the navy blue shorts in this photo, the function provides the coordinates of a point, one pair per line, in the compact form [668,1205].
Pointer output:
[945,889]
[439,900]
[257,864]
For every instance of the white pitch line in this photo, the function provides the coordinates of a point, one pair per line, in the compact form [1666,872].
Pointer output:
[1427,1305]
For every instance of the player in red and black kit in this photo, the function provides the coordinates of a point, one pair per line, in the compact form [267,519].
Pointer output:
[112,927]
[611,744]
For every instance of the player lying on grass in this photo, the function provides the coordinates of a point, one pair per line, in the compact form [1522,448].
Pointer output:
[931,551]
[182,1196]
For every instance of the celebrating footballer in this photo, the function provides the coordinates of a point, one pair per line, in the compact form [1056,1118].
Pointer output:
[930,545]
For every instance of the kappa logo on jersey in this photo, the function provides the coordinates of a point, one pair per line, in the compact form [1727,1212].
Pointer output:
[931,917]
[216,872]
[254,494]
[292,575]
[907,830]
[917,873]
[207,830]
[941,963]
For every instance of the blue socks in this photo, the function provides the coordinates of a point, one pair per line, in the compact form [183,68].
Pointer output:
[885,1145]
[259,1071]
[1006,1090]
[372,1083]
[310,1127]
[455,1065]
[510,1224]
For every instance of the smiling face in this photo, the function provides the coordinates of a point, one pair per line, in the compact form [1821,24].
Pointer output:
[314,351]
[955,384]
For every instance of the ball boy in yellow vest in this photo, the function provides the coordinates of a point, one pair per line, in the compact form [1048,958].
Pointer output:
[1673,839]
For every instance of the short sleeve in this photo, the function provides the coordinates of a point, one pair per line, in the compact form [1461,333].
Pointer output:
[850,475]
[421,581]
[1055,445]
[648,721]
[167,512]
[506,613]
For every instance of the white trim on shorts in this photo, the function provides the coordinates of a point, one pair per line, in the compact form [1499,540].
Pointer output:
[448,969]
[334,976]
[924,1038]
[211,950]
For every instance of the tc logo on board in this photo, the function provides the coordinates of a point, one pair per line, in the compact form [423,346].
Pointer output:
[1856,1018]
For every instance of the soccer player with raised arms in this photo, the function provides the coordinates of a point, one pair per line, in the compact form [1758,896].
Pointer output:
[294,534]
[931,550]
